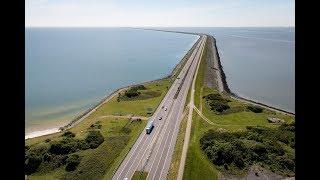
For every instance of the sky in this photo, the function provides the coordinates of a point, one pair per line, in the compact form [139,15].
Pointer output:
[159,13]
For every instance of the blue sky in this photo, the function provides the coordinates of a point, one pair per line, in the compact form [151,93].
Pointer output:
[157,13]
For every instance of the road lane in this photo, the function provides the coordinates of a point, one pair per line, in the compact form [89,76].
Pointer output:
[147,150]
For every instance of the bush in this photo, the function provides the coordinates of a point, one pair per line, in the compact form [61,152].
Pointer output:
[32,163]
[255,109]
[47,140]
[64,146]
[72,162]
[94,139]
[68,134]
[258,145]
[217,102]
[138,87]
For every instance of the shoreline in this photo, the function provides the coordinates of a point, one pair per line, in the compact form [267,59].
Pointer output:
[104,100]
[234,95]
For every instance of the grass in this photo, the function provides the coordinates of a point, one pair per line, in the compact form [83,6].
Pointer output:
[176,157]
[139,175]
[100,162]
[237,118]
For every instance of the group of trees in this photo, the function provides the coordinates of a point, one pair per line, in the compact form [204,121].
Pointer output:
[216,102]
[272,148]
[60,152]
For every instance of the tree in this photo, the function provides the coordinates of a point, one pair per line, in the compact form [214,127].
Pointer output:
[32,163]
[72,162]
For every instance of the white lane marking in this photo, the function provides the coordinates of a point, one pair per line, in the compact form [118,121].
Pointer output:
[131,156]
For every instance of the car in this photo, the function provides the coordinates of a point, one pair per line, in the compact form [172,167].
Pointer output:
[162,107]
[165,109]
[160,118]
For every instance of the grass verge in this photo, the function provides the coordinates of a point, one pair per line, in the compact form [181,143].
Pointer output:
[139,175]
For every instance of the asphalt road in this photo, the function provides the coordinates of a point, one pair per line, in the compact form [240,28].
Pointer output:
[152,152]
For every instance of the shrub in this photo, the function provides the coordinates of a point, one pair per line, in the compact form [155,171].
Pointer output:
[47,140]
[258,145]
[32,163]
[72,162]
[94,139]
[68,134]
[63,147]
[217,102]
[255,109]
[126,129]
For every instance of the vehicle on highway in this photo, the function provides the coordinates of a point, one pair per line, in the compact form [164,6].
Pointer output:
[160,118]
[149,127]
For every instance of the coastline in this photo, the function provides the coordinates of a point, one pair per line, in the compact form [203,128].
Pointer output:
[234,95]
[104,100]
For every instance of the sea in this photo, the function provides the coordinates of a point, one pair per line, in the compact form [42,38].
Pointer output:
[259,62]
[70,69]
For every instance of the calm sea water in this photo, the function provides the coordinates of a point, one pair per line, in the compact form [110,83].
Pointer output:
[70,69]
[259,62]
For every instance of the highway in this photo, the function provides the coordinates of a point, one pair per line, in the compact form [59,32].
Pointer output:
[152,152]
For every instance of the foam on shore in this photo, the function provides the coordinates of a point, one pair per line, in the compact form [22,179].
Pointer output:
[41,133]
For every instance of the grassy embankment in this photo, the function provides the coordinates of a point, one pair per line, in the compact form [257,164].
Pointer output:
[236,118]
[118,131]
[139,175]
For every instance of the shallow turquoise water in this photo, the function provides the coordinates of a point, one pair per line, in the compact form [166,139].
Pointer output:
[70,69]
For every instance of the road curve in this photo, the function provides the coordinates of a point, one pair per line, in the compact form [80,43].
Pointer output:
[152,152]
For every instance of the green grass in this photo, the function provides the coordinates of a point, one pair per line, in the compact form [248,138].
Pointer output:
[139,175]
[100,162]
[198,165]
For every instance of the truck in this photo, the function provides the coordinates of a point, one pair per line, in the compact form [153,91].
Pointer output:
[149,127]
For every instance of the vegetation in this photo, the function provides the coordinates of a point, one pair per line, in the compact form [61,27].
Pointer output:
[269,147]
[72,162]
[217,102]
[89,155]
[138,92]
[139,175]
[255,109]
